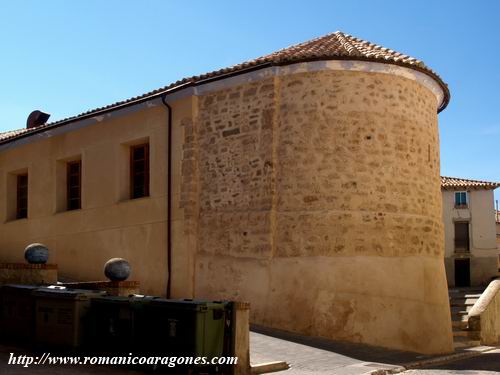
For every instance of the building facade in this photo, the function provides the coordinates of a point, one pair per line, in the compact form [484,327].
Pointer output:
[286,181]
[471,251]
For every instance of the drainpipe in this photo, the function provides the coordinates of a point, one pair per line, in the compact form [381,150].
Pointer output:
[169,197]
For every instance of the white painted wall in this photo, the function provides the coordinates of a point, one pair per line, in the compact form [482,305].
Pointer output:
[482,231]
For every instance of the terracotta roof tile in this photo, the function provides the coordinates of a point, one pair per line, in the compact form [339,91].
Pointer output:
[13,133]
[453,183]
[334,46]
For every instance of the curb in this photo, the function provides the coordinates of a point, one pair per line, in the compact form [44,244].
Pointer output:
[265,368]
[434,361]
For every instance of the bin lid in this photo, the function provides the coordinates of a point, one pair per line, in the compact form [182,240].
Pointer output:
[189,304]
[19,287]
[133,299]
[110,299]
[63,292]
[139,298]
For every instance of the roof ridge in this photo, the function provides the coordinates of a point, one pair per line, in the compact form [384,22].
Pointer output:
[304,43]
[345,42]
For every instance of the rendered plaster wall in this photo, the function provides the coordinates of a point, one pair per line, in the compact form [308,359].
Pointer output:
[480,215]
[109,223]
[484,316]
[320,203]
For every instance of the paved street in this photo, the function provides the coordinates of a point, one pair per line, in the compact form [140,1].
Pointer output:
[308,355]
[486,364]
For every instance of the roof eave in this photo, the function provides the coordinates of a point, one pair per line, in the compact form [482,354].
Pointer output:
[435,77]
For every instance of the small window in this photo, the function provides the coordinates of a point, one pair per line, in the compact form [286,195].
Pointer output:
[22,196]
[461,199]
[74,185]
[462,240]
[139,171]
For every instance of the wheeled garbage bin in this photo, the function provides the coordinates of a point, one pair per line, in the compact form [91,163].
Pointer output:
[113,323]
[184,327]
[61,316]
[17,314]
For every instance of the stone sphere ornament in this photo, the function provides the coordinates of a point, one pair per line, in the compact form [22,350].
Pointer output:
[36,253]
[117,269]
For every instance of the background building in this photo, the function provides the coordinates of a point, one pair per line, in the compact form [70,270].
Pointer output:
[471,251]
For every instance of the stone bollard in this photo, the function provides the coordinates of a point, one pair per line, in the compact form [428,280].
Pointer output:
[35,272]
[117,269]
[241,337]
[36,253]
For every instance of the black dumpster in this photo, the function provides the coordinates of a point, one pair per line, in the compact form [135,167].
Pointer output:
[112,327]
[183,327]
[17,314]
[61,315]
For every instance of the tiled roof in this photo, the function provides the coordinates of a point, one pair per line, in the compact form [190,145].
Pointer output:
[13,133]
[334,46]
[453,183]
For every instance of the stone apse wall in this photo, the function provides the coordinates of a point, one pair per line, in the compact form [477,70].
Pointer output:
[318,200]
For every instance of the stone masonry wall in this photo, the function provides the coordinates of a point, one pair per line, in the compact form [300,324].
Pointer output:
[358,153]
[319,202]
[236,171]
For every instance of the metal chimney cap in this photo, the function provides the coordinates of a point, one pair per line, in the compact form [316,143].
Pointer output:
[37,118]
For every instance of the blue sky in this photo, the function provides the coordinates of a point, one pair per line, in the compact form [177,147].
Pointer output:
[65,57]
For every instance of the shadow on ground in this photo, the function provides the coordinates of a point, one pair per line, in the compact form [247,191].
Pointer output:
[485,362]
[361,352]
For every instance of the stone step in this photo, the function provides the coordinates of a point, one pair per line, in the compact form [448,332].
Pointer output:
[460,310]
[460,324]
[460,332]
[456,292]
[473,335]
[460,317]
[464,342]
[464,297]
[463,302]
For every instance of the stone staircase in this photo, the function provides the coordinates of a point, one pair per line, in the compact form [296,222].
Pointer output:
[461,301]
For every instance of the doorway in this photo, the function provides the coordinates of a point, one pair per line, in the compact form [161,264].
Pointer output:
[462,272]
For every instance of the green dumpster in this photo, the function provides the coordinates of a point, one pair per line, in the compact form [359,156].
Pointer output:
[61,315]
[183,327]
[17,316]
[113,323]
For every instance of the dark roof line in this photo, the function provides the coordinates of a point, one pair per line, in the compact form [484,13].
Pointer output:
[455,183]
